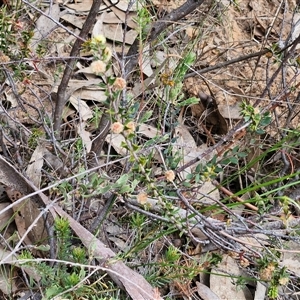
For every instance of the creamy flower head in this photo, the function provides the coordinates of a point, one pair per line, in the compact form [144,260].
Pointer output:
[170,175]
[100,39]
[117,127]
[129,128]
[98,67]
[142,198]
[284,280]
[119,84]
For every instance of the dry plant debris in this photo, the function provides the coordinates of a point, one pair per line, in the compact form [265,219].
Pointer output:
[149,149]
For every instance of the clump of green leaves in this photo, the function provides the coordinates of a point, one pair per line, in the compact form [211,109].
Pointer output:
[33,140]
[143,19]
[204,172]
[258,120]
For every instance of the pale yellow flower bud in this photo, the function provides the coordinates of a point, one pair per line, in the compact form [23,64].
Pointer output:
[129,128]
[99,39]
[170,175]
[283,280]
[119,84]
[142,198]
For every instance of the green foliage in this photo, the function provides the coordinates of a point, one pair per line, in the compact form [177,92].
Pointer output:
[143,20]
[206,172]
[36,134]
[172,255]
[258,120]
[175,93]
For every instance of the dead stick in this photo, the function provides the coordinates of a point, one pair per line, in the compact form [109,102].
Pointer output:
[227,192]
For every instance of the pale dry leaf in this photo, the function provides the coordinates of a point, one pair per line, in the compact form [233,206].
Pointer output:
[207,188]
[86,70]
[148,131]
[81,6]
[98,27]
[256,242]
[231,111]
[223,286]
[85,136]
[110,17]
[205,292]
[114,229]
[260,291]
[82,108]
[115,32]
[8,283]
[296,28]
[75,85]
[44,25]
[120,243]
[96,95]
[184,145]
[146,62]
[158,58]
[76,21]
[291,260]
[26,214]
[7,216]
[68,112]
[90,72]
[129,17]
[115,140]
[34,169]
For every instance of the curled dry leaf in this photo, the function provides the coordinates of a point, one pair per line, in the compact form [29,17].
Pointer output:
[184,145]
[205,292]
[85,136]
[34,169]
[26,214]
